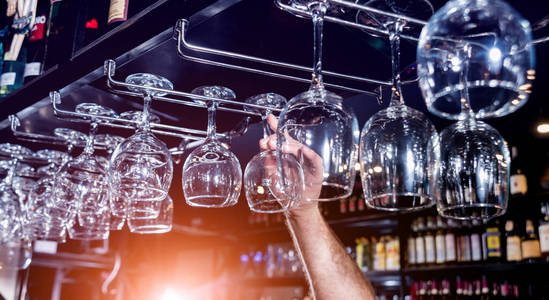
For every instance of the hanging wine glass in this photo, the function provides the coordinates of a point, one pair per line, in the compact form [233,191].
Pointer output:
[475,161]
[81,185]
[140,170]
[399,149]
[161,224]
[261,181]
[212,176]
[15,244]
[319,131]
[43,218]
[501,60]
[117,210]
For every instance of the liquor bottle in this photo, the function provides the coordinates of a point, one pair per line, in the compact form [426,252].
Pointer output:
[459,288]
[411,245]
[36,43]
[530,245]
[476,244]
[12,73]
[430,250]
[343,206]
[485,291]
[518,182]
[420,242]
[434,290]
[495,290]
[466,241]
[379,256]
[450,242]
[492,235]
[440,243]
[513,243]
[445,290]
[422,291]
[477,288]
[392,248]
[543,231]
[352,204]
[367,255]
[359,249]
[361,204]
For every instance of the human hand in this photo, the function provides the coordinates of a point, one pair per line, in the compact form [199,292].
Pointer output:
[310,161]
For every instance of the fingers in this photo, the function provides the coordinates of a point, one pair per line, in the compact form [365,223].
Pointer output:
[268,143]
[272,121]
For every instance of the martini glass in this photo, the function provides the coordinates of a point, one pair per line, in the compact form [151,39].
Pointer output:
[261,181]
[212,176]
[141,167]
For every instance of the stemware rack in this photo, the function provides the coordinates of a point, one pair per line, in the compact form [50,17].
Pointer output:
[234,106]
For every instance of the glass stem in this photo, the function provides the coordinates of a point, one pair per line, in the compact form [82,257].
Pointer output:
[91,138]
[11,171]
[145,124]
[266,129]
[318,10]
[394,39]
[211,131]
[464,92]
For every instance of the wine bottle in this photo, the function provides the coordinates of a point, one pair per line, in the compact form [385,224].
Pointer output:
[492,235]
[420,242]
[450,242]
[36,44]
[12,73]
[513,243]
[519,184]
[411,245]
[543,231]
[440,243]
[530,244]
[430,250]
[476,244]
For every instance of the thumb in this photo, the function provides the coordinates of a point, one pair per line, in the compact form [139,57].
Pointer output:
[272,121]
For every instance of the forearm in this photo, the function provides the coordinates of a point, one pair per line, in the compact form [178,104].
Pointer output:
[334,274]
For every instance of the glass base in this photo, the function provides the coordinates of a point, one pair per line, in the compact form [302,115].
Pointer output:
[478,211]
[89,236]
[209,201]
[269,207]
[332,192]
[400,202]
[149,229]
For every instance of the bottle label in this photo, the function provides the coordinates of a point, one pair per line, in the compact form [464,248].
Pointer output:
[420,250]
[544,237]
[32,69]
[476,247]
[37,30]
[450,247]
[429,249]
[411,251]
[7,79]
[493,243]
[531,249]
[441,248]
[118,11]
[513,248]
[518,184]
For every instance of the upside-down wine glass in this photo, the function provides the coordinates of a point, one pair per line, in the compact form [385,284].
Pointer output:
[81,185]
[500,62]
[212,176]
[161,224]
[15,243]
[475,162]
[141,167]
[116,222]
[44,222]
[399,148]
[261,181]
[318,130]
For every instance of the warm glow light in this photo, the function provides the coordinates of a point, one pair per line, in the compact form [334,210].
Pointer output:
[494,54]
[378,169]
[357,166]
[515,102]
[171,294]
[543,128]
[260,190]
